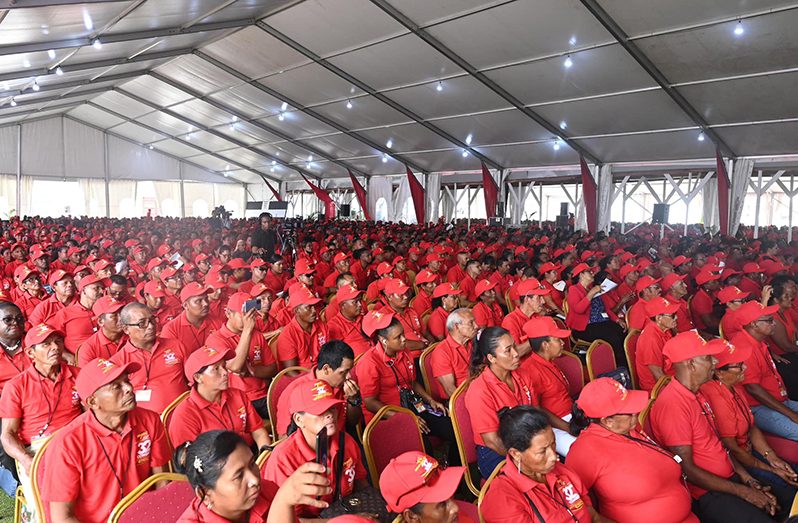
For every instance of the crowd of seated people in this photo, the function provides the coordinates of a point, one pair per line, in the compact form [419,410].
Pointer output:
[137,346]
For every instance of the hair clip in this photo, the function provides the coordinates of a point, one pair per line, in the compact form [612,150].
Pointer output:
[198,464]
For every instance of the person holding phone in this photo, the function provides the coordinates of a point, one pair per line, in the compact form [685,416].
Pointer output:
[315,410]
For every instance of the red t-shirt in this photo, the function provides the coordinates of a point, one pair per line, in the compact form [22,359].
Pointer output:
[93,467]
[436,325]
[11,366]
[455,274]
[196,415]
[295,343]
[43,406]
[562,499]
[161,372]
[679,418]
[486,395]
[649,352]
[633,479]
[377,380]
[761,368]
[514,322]
[449,357]
[76,322]
[185,332]
[701,304]
[469,285]
[733,416]
[488,316]
[350,332]
[422,302]
[99,346]
[259,355]
[549,382]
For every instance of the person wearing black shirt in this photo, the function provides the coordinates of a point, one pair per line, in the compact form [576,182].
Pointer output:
[264,239]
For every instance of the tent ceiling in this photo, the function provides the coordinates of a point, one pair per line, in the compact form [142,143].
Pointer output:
[267,84]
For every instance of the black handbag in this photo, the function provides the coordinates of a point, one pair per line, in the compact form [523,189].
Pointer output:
[621,375]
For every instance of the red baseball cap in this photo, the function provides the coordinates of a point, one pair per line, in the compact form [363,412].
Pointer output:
[340,257]
[40,333]
[731,353]
[414,477]
[548,266]
[154,289]
[169,272]
[645,282]
[706,275]
[604,397]
[194,289]
[579,268]
[753,310]
[259,289]
[376,320]
[236,301]
[395,286]
[298,295]
[687,345]
[315,398]
[530,287]
[102,264]
[57,276]
[483,286]
[667,282]
[201,257]
[624,271]
[257,262]
[751,268]
[731,293]
[543,327]
[384,268]
[203,357]
[446,289]
[347,292]
[433,256]
[23,271]
[303,267]
[106,305]
[88,280]
[659,305]
[100,372]
[425,276]
[680,260]
[155,262]
[238,263]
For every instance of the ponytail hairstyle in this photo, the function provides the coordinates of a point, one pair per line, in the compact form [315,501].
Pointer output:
[485,345]
[204,459]
[579,420]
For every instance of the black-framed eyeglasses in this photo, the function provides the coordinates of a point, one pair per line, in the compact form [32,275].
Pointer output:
[8,320]
[767,320]
[144,322]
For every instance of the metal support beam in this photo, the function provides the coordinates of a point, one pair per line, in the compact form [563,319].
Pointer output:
[44,99]
[296,46]
[76,83]
[26,4]
[40,109]
[482,78]
[645,62]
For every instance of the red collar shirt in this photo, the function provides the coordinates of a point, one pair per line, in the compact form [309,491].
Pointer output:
[503,284]
[26,303]
[488,315]
[730,325]
[99,346]
[410,321]
[422,302]
[330,279]
[558,297]
[295,452]
[259,355]
[11,366]
[283,409]
[436,324]
[701,304]
[161,379]
[549,382]
[637,317]
[514,322]
[275,282]
[455,274]
[296,343]
[562,499]
[362,275]
[684,322]
[43,406]
[649,352]
[469,285]
[633,478]
[196,415]
[486,395]
[381,377]
[93,467]
[46,310]
[350,332]
[77,323]
[680,417]
[761,369]
[733,416]
[198,512]
[171,302]
[748,285]
[185,332]
[449,358]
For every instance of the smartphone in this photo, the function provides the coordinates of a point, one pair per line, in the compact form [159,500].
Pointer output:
[251,304]
[322,447]
[48,289]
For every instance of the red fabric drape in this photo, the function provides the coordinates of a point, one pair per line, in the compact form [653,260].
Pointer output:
[491,192]
[274,191]
[417,192]
[360,192]
[723,194]
[321,194]
[589,196]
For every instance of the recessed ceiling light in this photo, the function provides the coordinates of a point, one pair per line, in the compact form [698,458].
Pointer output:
[568,62]
[739,29]
[439,87]
[701,136]
[349,104]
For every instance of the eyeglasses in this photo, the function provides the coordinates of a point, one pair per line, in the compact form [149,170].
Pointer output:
[8,320]
[768,320]
[144,323]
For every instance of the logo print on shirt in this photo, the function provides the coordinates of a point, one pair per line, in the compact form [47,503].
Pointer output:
[75,397]
[170,358]
[572,497]
[143,447]
[242,413]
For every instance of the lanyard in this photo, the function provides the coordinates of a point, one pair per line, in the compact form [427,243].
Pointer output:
[559,376]
[559,502]
[743,406]
[119,479]
[148,357]
[11,359]
[225,410]
[392,366]
[51,408]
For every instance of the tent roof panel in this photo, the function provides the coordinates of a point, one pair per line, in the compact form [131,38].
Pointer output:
[287,152]
[246,157]
[311,84]
[298,125]
[94,116]
[193,71]
[457,96]
[169,124]
[492,128]
[137,133]
[776,138]
[122,104]
[531,154]
[210,142]
[426,13]
[651,147]
[408,137]
[342,146]
[156,91]
[366,111]
[245,50]
[176,148]
[249,100]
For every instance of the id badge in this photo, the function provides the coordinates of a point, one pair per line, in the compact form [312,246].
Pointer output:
[605,315]
[420,407]
[144,395]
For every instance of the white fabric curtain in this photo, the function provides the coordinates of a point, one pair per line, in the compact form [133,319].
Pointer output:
[231,196]
[711,211]
[8,196]
[380,188]
[26,196]
[84,153]
[199,199]
[580,221]
[606,189]
[167,195]
[94,196]
[433,196]
[403,203]
[447,206]
[43,148]
[741,175]
[8,150]
[122,197]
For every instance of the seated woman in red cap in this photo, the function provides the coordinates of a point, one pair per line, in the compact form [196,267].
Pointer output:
[212,404]
[494,385]
[735,424]
[631,476]
[650,364]
[533,485]
[487,312]
[733,298]
[587,315]
[445,299]
[314,407]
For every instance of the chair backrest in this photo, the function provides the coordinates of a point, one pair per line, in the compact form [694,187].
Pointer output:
[144,505]
[166,415]
[630,349]
[567,341]
[424,362]
[37,480]
[386,438]
[572,367]
[486,486]
[276,387]
[720,330]
[463,433]
[260,461]
[272,343]
[425,319]
[509,302]
[643,416]
[600,359]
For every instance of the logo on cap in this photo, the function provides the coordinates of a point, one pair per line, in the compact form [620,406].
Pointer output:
[620,389]
[105,365]
[210,352]
[320,391]
[377,314]
[42,329]
[426,465]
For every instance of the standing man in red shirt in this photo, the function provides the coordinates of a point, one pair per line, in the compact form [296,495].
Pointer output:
[451,358]
[109,337]
[77,320]
[106,452]
[193,326]
[63,294]
[683,422]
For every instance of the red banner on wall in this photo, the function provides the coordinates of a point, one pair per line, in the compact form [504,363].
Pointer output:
[491,192]
[324,196]
[723,193]
[589,196]
[417,192]
[274,191]
[360,192]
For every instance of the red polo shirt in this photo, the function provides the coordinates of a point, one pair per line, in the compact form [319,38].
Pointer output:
[449,357]
[562,499]
[455,274]
[283,409]
[185,332]
[633,479]
[549,383]
[701,303]
[27,303]
[733,416]
[276,282]
[99,346]
[468,285]
[748,285]
[410,321]
[43,406]
[679,418]
[196,415]
[487,394]
[76,322]
[436,325]
[329,280]
[422,302]
[761,368]
[93,467]
[488,316]
[503,284]
[377,380]
[637,317]
[11,366]
[295,452]
[259,355]
[161,372]
[350,332]
[649,352]
[295,342]
[198,512]
[363,276]
[684,321]
[730,325]
[514,322]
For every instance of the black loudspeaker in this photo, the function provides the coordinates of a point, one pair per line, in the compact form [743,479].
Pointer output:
[500,209]
[345,211]
[562,223]
[660,213]
[564,209]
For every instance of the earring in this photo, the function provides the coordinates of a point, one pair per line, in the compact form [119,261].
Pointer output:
[517,463]
[209,504]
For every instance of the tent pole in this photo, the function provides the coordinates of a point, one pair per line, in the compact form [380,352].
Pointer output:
[183,192]
[19,171]
[107,188]
[792,194]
